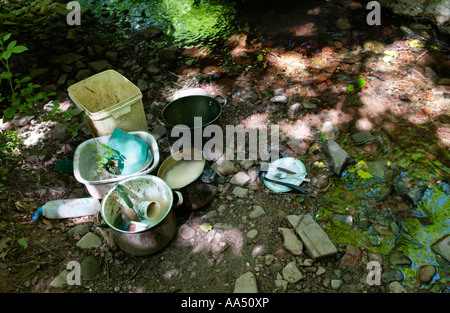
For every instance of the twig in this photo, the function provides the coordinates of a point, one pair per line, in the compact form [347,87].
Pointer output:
[46,248]
[135,272]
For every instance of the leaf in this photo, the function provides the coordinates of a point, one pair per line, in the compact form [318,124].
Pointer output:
[361,82]
[206,227]
[6,55]
[25,79]
[6,75]
[9,113]
[351,88]
[260,57]
[364,174]
[23,242]
[19,49]
[11,45]
[7,36]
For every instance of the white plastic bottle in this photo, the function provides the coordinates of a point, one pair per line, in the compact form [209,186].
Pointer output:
[68,208]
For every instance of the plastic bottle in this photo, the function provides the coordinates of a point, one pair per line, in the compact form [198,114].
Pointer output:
[67,208]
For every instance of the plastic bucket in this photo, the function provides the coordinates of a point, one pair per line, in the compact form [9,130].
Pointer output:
[151,240]
[110,101]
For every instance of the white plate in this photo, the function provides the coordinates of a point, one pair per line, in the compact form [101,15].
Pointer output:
[291,164]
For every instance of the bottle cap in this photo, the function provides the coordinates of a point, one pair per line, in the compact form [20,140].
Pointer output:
[37,214]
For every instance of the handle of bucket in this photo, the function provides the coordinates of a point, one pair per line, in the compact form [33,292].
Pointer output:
[180,198]
[224,99]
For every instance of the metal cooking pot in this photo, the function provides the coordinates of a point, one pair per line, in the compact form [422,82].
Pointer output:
[151,240]
[183,110]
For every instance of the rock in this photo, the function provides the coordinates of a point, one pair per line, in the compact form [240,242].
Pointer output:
[82,74]
[280,283]
[240,192]
[62,79]
[252,234]
[290,241]
[314,238]
[375,257]
[330,130]
[339,157]
[142,85]
[309,106]
[291,273]
[67,59]
[90,240]
[257,212]
[308,262]
[35,72]
[152,70]
[20,121]
[352,257]
[223,167]
[269,259]
[112,55]
[279,99]
[246,283]
[343,221]
[294,220]
[320,270]
[99,66]
[336,284]
[395,287]
[363,137]
[390,276]
[246,164]
[294,110]
[241,178]
[426,273]
[397,258]
[60,280]
[78,230]
[319,181]
[442,247]
[90,267]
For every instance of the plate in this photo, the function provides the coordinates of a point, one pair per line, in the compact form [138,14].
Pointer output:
[290,164]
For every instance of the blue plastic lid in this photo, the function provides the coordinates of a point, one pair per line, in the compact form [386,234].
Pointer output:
[37,214]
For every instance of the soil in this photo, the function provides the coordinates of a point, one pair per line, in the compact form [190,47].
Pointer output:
[215,245]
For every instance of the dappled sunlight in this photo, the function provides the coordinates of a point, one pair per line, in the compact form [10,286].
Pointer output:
[255,121]
[213,240]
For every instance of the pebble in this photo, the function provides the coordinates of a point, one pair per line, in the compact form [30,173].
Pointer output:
[426,273]
[240,192]
[246,283]
[290,241]
[291,273]
[90,240]
[252,234]
[391,275]
[320,270]
[257,212]
[336,284]
[240,179]
[396,287]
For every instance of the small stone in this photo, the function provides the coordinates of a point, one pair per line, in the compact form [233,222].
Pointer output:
[294,220]
[390,276]
[223,167]
[281,284]
[90,240]
[396,287]
[294,110]
[442,247]
[309,106]
[78,230]
[252,234]
[142,85]
[58,131]
[290,241]
[320,270]
[426,273]
[269,259]
[241,178]
[291,273]
[279,99]
[257,212]
[186,232]
[60,280]
[336,284]
[240,192]
[112,55]
[339,157]
[246,283]
[99,66]
[352,257]
[308,262]
[397,258]
[62,79]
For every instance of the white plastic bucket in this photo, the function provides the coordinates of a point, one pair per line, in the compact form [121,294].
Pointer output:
[110,101]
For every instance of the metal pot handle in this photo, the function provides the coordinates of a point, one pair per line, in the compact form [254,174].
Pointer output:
[224,99]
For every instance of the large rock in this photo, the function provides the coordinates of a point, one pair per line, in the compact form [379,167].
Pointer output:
[339,157]
[314,238]
[442,247]
[436,11]
[246,283]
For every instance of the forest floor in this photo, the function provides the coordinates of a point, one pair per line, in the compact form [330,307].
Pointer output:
[295,74]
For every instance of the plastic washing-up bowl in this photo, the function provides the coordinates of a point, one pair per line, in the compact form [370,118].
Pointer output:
[97,183]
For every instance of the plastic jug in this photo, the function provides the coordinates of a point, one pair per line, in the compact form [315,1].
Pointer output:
[67,208]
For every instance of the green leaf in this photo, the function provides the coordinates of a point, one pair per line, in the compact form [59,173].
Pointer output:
[23,242]
[25,79]
[9,113]
[7,36]
[11,45]
[19,49]
[6,55]
[361,82]
[364,174]
[6,75]
[351,88]
[260,57]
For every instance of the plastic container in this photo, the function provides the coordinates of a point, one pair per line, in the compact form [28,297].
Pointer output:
[67,208]
[84,165]
[110,101]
